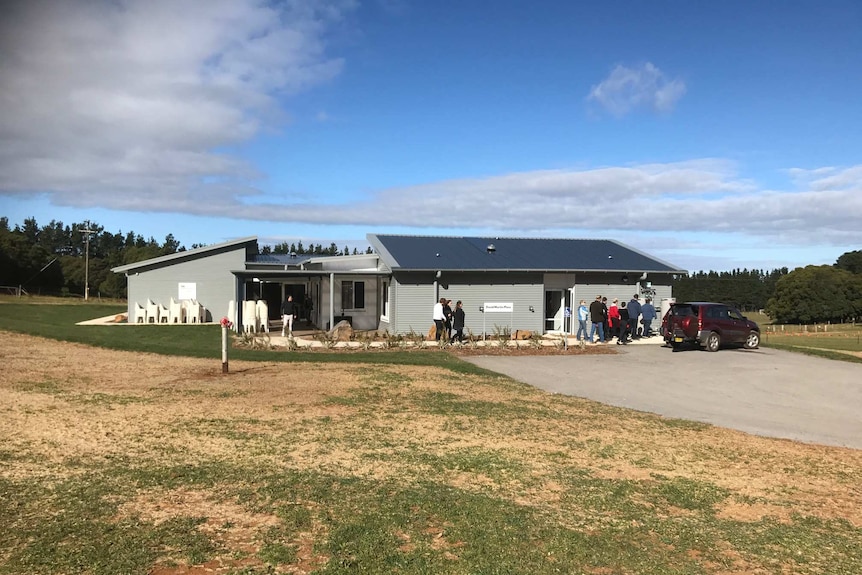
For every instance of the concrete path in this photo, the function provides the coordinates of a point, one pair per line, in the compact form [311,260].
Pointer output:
[765,391]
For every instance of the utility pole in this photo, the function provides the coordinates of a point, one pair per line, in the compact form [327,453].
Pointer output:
[87,231]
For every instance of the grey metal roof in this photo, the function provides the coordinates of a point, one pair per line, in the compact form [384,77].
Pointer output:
[279,259]
[529,254]
[188,254]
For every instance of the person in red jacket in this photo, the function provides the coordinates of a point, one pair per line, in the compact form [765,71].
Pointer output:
[614,319]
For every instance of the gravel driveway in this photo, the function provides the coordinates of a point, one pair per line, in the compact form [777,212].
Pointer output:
[765,391]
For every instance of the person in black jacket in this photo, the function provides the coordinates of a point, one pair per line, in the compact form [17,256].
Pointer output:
[288,312]
[447,321]
[597,316]
[458,322]
[623,337]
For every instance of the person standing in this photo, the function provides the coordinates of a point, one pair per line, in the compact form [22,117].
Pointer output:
[607,322]
[597,316]
[458,322]
[613,320]
[288,312]
[648,314]
[583,318]
[623,335]
[439,318]
[634,315]
[447,313]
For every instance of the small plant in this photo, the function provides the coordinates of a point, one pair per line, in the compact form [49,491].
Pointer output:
[326,338]
[535,341]
[502,333]
[472,340]
[365,338]
[255,341]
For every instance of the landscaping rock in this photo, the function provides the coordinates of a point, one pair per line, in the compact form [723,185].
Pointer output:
[342,331]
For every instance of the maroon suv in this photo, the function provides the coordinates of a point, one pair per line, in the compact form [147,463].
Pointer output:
[708,324]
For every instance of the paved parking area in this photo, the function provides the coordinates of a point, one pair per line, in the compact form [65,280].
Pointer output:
[765,391]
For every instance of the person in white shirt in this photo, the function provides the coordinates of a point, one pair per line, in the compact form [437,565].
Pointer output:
[439,317]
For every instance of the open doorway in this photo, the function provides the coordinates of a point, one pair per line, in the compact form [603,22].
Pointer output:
[299,299]
[553,310]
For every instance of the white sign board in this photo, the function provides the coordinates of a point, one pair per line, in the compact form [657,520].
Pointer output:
[188,290]
[499,307]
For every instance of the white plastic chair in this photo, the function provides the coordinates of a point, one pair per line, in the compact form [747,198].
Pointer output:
[176,313]
[140,313]
[202,312]
[152,312]
[163,314]
[262,312]
[193,311]
[249,317]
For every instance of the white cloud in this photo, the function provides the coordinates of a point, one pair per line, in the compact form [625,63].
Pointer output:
[626,90]
[829,178]
[103,102]
[683,200]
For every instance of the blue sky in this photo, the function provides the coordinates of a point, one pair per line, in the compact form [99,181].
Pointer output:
[713,135]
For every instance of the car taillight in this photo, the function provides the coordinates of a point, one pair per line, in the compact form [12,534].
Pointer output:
[699,323]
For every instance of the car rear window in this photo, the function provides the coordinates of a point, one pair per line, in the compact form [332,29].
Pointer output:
[683,310]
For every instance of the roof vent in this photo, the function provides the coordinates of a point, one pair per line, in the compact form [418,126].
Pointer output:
[293,254]
[491,248]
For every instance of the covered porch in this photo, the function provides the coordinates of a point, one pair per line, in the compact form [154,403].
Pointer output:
[322,297]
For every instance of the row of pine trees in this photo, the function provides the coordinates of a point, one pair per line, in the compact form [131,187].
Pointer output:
[55,259]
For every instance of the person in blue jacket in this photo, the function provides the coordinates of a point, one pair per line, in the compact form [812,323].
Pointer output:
[647,315]
[583,318]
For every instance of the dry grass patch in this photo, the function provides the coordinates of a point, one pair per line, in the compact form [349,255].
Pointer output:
[262,455]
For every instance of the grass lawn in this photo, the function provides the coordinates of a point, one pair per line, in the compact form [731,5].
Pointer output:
[116,461]
[838,341]
[57,318]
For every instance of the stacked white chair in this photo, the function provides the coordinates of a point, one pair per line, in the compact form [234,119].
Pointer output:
[249,316]
[193,310]
[140,313]
[163,314]
[262,312]
[152,312]
[200,310]
[176,313]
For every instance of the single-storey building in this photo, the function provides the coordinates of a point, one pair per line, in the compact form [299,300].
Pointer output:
[516,283]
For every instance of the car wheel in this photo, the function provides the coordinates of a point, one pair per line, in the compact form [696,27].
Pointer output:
[753,340]
[713,341]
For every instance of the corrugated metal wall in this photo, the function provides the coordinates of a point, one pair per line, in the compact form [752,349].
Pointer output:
[412,303]
[211,275]
[413,300]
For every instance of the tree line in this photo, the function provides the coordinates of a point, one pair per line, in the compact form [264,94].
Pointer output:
[51,260]
[55,259]
[812,294]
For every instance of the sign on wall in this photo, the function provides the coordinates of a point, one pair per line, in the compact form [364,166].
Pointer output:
[188,290]
[499,307]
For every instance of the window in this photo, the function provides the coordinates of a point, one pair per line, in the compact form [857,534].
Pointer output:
[352,295]
[384,299]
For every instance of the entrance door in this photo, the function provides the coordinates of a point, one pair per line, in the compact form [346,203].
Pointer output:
[553,310]
[271,292]
[298,293]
